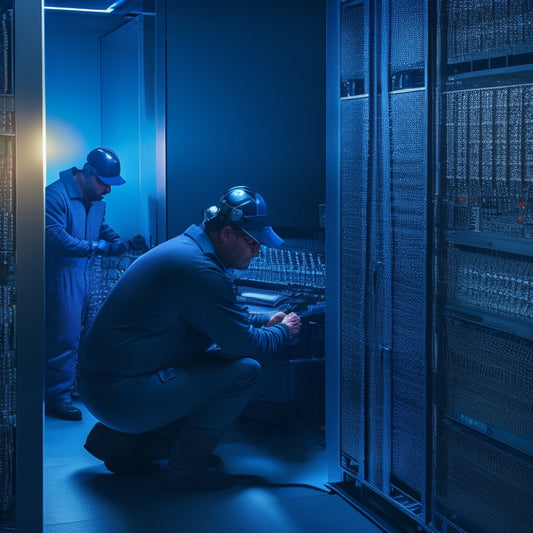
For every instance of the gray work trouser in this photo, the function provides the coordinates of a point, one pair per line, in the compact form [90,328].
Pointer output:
[211,394]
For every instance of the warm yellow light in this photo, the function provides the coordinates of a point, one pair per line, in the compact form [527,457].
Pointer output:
[63,141]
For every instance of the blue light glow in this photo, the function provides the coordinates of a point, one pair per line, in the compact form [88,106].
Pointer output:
[84,10]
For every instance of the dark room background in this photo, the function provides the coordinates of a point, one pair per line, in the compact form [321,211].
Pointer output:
[246,105]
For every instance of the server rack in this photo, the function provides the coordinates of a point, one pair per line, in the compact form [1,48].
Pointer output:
[435,263]
[484,350]
[7,259]
[384,276]
[22,265]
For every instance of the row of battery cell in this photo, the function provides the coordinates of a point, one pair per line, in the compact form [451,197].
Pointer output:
[491,282]
[304,267]
[480,29]
[287,267]
[489,137]
[489,160]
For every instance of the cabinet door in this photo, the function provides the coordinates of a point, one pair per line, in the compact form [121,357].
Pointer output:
[383,260]
[353,231]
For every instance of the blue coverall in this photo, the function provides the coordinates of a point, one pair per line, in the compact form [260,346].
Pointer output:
[171,342]
[71,228]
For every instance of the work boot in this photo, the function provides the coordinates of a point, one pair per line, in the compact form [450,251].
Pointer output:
[62,408]
[106,443]
[127,453]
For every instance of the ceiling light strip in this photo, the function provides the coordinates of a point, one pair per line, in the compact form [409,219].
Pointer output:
[108,10]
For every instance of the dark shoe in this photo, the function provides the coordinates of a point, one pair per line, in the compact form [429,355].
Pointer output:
[105,443]
[127,453]
[109,444]
[62,409]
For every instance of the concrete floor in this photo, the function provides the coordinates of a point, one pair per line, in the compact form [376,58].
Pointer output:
[81,496]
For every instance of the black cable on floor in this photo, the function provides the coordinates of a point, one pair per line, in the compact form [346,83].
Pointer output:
[303,485]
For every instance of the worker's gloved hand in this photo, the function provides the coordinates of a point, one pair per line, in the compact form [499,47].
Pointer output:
[100,247]
[293,322]
[118,247]
[138,243]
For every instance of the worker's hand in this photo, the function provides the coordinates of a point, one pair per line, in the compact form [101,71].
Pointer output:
[118,248]
[276,318]
[100,247]
[292,320]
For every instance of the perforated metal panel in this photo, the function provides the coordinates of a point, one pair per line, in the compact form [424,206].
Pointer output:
[483,488]
[354,116]
[409,202]
[383,254]
[487,382]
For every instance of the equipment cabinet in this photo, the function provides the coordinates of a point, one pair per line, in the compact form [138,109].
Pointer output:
[433,183]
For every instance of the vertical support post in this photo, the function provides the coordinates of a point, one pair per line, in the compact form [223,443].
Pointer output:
[386,222]
[29,177]
[160,120]
[332,237]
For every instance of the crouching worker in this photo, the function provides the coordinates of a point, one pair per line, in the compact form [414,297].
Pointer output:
[170,360]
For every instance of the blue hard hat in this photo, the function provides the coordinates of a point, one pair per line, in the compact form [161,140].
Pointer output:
[242,207]
[106,166]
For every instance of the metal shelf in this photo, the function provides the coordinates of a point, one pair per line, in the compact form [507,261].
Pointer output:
[522,328]
[496,434]
[494,241]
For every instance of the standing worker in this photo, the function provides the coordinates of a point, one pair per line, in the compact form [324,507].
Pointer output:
[172,350]
[75,234]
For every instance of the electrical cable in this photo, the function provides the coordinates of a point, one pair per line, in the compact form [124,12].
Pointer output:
[302,485]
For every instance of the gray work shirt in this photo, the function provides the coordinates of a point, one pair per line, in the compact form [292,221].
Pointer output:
[170,306]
